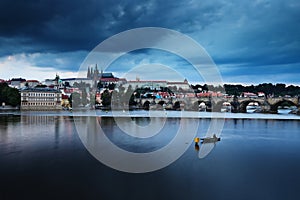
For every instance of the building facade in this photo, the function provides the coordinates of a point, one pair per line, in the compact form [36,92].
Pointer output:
[157,84]
[32,83]
[40,99]
[17,82]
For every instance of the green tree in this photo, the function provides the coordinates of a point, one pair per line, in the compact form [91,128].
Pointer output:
[92,99]
[106,98]
[129,96]
[10,96]
[14,97]
[84,97]
[75,99]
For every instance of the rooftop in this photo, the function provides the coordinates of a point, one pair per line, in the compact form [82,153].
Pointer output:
[18,79]
[74,79]
[145,81]
[33,81]
[107,75]
[40,90]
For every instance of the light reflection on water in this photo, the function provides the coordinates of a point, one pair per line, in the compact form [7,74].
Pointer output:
[255,159]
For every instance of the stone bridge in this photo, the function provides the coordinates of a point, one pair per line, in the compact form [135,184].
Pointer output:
[238,104]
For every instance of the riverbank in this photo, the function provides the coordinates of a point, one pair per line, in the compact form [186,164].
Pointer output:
[163,114]
[8,107]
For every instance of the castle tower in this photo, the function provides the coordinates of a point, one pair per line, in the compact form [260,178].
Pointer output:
[56,82]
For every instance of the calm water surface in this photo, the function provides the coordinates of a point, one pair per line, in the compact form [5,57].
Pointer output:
[42,157]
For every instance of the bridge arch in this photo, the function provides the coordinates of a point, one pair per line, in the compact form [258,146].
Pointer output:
[244,104]
[274,107]
[199,105]
[146,105]
[178,105]
[161,102]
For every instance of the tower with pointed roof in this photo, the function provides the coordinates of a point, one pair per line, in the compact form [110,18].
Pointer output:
[56,81]
[88,73]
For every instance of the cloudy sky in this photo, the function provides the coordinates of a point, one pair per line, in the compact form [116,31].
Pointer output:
[250,41]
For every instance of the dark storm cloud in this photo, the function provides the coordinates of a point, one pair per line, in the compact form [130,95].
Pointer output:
[50,25]
[258,32]
[239,35]
[61,25]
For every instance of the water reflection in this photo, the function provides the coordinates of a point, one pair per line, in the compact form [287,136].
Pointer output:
[260,158]
[116,148]
[26,134]
[206,145]
[141,121]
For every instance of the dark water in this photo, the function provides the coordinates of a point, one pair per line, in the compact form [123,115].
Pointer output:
[42,157]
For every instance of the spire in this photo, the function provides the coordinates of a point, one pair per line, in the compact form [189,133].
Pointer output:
[91,73]
[56,81]
[88,73]
[56,77]
[96,70]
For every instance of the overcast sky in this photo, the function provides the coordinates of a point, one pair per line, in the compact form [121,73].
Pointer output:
[250,41]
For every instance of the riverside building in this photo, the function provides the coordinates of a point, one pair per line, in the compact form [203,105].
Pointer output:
[40,99]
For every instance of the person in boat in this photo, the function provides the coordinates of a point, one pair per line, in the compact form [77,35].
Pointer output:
[215,137]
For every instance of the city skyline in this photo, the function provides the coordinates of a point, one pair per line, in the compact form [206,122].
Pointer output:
[250,42]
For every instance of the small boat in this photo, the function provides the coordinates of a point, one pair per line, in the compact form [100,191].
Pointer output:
[212,139]
[207,145]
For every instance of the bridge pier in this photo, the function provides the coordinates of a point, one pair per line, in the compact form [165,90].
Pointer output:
[265,108]
[235,105]
[273,109]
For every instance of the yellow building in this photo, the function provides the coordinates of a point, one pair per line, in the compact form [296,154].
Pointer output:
[40,99]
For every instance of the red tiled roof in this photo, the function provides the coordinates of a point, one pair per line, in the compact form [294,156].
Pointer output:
[109,79]
[147,81]
[207,94]
[34,81]
[63,96]
[183,83]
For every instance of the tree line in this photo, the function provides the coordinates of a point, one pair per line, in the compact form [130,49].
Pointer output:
[278,89]
[9,96]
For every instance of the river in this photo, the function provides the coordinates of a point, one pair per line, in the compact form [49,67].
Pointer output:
[52,156]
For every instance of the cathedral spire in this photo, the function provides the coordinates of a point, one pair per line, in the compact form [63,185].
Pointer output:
[101,72]
[96,70]
[88,73]
[91,73]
